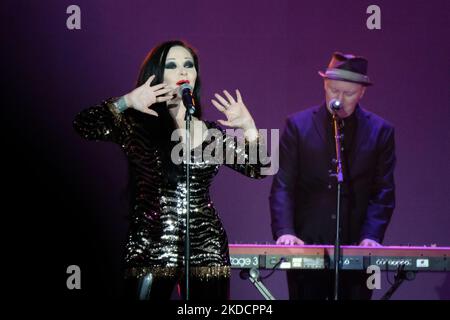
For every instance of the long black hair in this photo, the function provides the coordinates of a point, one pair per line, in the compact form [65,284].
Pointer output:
[161,127]
[154,65]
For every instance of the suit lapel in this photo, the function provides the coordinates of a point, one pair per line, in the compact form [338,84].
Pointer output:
[362,133]
[320,120]
[320,123]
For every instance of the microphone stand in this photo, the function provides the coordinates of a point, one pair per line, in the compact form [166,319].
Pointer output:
[340,179]
[254,277]
[190,109]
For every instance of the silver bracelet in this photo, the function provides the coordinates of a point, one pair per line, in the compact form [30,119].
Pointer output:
[121,105]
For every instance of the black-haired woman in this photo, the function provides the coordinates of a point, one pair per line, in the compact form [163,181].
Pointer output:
[142,122]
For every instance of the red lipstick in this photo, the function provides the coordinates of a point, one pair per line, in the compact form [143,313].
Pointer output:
[179,83]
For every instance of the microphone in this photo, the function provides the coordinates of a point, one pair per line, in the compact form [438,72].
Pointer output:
[186,95]
[335,105]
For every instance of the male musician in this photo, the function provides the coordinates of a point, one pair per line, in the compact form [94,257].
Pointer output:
[303,198]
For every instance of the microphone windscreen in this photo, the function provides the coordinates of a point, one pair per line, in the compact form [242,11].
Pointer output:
[335,104]
[185,86]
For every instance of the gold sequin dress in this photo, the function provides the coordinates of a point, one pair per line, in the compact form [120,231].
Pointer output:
[155,242]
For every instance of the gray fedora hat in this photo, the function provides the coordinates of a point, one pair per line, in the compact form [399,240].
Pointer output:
[347,67]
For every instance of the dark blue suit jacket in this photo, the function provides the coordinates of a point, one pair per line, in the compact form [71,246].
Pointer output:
[303,195]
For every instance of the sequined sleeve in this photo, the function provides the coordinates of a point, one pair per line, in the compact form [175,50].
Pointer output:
[101,122]
[248,158]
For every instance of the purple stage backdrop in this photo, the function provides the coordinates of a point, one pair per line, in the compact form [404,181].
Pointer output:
[271,51]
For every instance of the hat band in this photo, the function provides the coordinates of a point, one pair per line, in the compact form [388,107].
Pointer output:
[347,75]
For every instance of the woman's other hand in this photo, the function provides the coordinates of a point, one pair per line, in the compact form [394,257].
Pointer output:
[143,97]
[236,112]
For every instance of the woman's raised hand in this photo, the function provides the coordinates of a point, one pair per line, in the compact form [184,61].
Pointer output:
[235,110]
[143,97]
